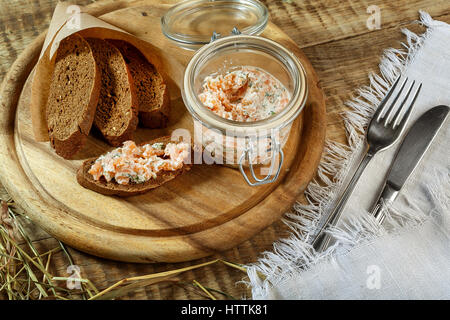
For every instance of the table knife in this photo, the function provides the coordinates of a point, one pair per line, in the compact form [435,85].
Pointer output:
[413,147]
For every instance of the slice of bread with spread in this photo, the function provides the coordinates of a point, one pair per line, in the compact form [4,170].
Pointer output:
[73,96]
[103,173]
[117,108]
[152,92]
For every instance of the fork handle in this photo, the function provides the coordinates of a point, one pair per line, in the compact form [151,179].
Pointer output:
[322,239]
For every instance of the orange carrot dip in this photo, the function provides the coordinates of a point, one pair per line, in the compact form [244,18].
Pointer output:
[137,164]
[245,94]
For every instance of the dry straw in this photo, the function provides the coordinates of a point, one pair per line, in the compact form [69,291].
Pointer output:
[25,272]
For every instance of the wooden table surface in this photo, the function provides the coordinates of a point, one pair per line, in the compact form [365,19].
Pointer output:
[335,37]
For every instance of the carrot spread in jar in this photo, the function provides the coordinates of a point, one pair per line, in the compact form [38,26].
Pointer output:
[137,164]
[245,94]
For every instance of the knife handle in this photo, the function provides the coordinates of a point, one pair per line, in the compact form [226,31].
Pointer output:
[387,196]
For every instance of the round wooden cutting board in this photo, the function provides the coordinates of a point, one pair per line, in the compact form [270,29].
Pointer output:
[209,209]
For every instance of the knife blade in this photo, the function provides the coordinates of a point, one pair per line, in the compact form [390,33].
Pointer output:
[411,151]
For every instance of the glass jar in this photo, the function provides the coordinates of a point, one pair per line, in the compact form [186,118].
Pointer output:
[190,24]
[237,143]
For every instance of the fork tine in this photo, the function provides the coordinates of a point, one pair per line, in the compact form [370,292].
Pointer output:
[389,117]
[408,112]
[392,104]
[385,99]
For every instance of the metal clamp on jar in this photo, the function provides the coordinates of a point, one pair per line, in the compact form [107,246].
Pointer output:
[199,24]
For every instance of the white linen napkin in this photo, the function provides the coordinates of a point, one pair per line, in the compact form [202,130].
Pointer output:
[407,258]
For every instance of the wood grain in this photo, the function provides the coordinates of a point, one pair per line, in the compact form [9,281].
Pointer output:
[342,61]
[210,209]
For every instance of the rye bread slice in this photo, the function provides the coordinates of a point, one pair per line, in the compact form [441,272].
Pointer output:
[117,107]
[152,92]
[86,180]
[73,96]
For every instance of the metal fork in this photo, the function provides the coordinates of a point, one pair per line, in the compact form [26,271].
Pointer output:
[383,131]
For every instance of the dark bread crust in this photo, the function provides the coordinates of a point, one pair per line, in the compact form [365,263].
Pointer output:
[153,94]
[69,146]
[158,118]
[112,188]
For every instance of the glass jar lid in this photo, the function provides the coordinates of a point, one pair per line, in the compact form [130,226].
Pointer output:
[191,24]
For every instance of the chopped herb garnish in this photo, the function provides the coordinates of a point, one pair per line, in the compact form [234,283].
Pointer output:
[135,178]
[158,145]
